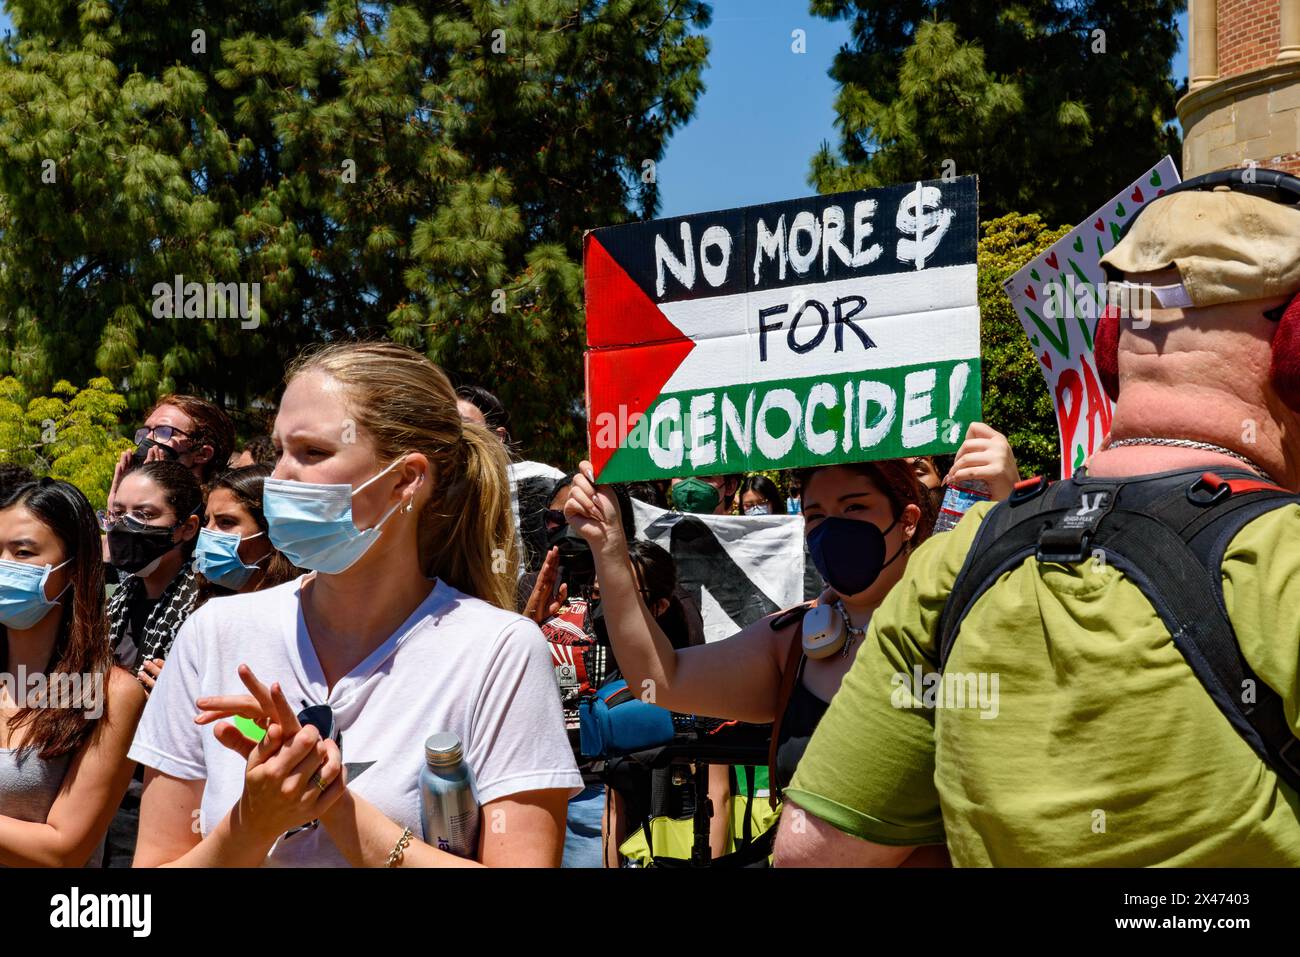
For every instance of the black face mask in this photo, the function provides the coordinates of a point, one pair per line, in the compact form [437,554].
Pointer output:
[145,445]
[134,545]
[850,554]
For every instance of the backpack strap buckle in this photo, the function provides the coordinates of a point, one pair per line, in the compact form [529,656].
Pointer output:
[1208,490]
[1064,545]
[1026,489]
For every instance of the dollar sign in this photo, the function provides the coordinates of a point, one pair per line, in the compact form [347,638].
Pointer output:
[920,215]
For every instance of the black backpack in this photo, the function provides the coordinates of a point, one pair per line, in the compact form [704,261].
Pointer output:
[1167,533]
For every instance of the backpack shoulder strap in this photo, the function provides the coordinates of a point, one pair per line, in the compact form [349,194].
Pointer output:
[789,675]
[1209,642]
[1168,535]
[1008,534]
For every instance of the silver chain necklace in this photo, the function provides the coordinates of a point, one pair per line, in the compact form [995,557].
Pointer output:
[853,633]
[1192,444]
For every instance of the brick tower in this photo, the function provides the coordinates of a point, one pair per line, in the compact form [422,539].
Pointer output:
[1244,99]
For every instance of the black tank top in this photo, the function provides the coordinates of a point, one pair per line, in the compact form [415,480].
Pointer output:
[802,714]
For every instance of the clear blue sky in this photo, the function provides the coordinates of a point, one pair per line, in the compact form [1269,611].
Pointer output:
[765,111]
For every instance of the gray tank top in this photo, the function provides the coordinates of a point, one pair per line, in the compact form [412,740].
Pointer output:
[28,788]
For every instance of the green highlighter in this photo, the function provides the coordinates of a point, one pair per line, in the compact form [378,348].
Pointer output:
[248,728]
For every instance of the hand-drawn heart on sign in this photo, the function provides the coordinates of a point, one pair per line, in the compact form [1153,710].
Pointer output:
[1062,307]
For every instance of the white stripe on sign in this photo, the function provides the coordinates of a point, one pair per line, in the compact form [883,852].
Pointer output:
[891,294]
[898,340]
[768,550]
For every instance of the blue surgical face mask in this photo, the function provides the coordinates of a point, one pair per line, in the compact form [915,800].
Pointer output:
[216,557]
[22,593]
[312,525]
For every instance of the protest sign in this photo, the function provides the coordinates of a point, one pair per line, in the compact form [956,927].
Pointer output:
[1058,297]
[737,569]
[835,328]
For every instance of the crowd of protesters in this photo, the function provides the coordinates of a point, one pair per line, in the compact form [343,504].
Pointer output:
[363,574]
[264,635]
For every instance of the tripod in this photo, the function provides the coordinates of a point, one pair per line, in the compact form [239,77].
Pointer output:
[737,748]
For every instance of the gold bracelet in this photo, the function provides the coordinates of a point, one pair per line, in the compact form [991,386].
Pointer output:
[400,849]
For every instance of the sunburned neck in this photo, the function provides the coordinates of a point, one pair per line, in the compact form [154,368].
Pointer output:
[1150,459]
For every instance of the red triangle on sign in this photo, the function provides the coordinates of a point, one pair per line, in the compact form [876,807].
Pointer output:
[623,382]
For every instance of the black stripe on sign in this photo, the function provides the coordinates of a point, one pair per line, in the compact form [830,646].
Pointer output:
[633,246]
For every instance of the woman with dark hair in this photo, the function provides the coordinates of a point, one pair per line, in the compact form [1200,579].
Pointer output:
[63,750]
[152,526]
[234,555]
[760,496]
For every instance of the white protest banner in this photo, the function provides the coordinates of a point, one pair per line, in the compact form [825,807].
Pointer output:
[736,568]
[835,328]
[1058,297]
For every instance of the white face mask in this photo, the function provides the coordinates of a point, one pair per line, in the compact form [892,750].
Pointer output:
[759,510]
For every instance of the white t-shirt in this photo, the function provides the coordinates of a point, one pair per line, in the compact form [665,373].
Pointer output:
[456,664]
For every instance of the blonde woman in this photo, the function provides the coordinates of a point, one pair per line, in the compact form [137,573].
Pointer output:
[401,628]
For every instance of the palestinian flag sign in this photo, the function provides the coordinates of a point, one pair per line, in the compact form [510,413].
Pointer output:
[837,328]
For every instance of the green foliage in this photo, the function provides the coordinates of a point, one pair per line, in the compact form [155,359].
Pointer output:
[1027,95]
[420,170]
[71,434]
[1016,399]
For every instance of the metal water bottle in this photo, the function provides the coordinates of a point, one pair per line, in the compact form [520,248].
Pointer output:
[448,810]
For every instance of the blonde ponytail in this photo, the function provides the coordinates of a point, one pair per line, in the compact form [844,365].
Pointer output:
[405,403]
[468,537]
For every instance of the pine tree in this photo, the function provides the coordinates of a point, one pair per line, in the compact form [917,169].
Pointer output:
[421,170]
[1050,102]
[72,434]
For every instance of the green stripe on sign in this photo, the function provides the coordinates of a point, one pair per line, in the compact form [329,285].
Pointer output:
[909,410]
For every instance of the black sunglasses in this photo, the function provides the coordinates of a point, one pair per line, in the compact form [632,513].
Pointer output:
[321,717]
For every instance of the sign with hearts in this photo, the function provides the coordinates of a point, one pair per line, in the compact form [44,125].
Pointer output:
[835,328]
[1058,299]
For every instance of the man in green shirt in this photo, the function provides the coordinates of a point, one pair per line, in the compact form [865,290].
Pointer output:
[1067,729]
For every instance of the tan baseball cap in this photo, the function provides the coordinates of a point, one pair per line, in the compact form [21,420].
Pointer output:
[1228,246]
